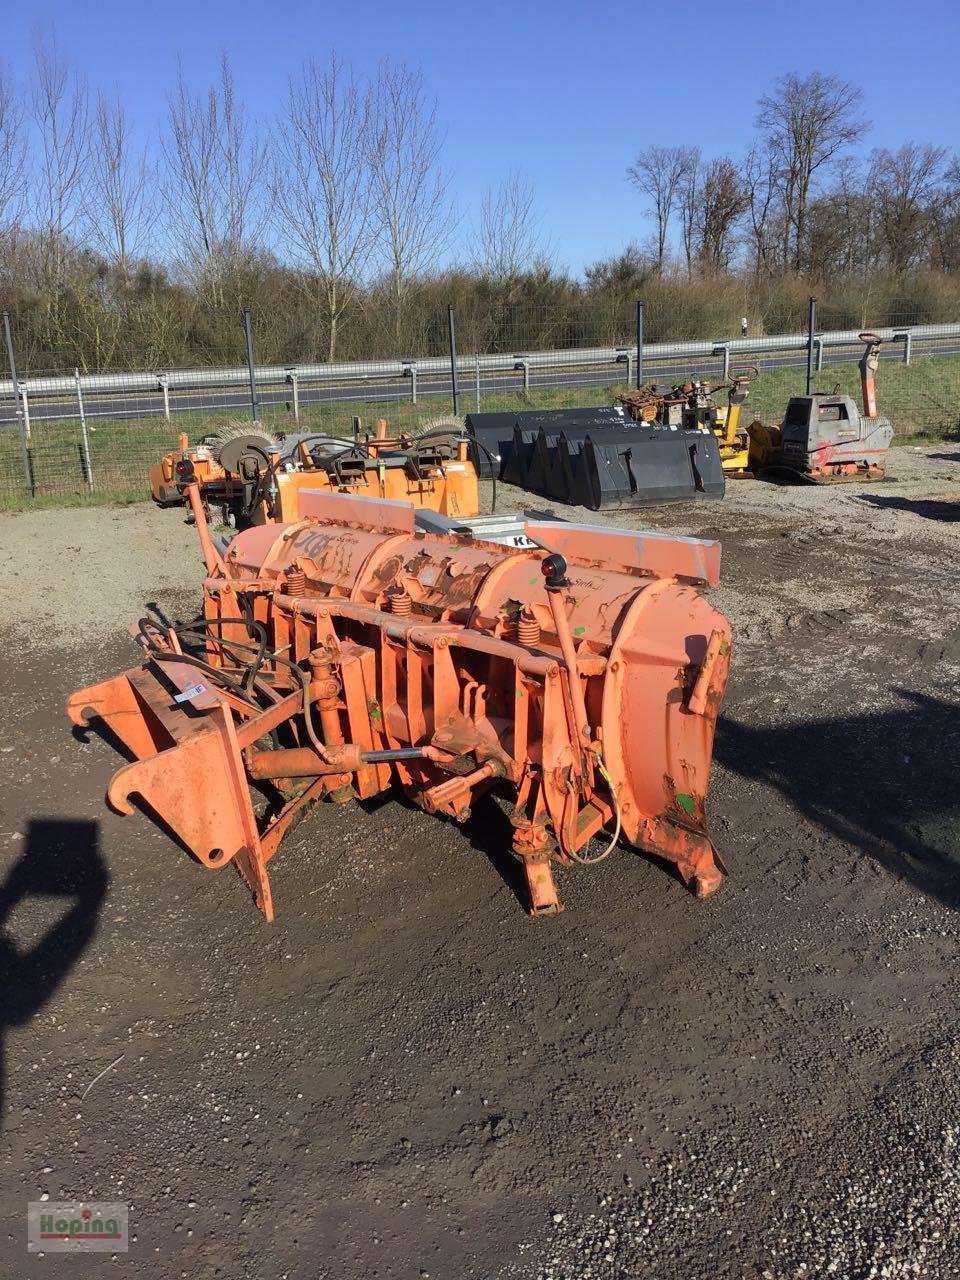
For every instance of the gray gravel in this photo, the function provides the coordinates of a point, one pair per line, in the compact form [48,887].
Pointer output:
[404,1076]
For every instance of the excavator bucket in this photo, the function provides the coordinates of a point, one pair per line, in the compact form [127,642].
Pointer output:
[493,433]
[618,464]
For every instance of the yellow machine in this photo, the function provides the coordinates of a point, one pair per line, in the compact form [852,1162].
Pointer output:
[734,441]
[255,478]
[693,406]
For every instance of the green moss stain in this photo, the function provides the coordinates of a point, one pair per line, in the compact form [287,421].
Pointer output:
[685,802]
[578,631]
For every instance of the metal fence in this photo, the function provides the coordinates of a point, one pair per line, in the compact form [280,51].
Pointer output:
[72,438]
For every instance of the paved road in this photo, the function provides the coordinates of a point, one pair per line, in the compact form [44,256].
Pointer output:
[210,400]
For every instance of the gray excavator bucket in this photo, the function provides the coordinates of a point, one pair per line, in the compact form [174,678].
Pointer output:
[493,433]
[598,458]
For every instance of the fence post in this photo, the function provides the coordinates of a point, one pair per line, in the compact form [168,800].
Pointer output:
[295,382]
[629,368]
[818,361]
[639,345]
[26,412]
[254,401]
[811,325]
[413,384]
[21,430]
[84,442]
[165,388]
[476,375]
[452,329]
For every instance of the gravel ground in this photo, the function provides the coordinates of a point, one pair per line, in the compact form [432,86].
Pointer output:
[404,1076]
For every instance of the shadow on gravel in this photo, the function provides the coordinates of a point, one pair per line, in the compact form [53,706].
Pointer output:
[61,860]
[490,833]
[929,508]
[885,782]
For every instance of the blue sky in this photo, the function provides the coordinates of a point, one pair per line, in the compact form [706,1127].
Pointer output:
[566,92]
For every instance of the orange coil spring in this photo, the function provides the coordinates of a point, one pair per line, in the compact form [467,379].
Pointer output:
[528,629]
[296,581]
[401,604]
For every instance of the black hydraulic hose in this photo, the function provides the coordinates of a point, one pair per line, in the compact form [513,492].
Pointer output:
[495,462]
[219,676]
[349,446]
[301,675]
[256,628]
[214,673]
[260,492]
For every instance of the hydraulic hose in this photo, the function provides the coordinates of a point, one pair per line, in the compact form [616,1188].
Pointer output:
[302,676]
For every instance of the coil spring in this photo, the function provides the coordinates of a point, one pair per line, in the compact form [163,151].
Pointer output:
[296,580]
[401,604]
[528,629]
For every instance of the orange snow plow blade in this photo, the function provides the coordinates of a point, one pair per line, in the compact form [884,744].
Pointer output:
[580,677]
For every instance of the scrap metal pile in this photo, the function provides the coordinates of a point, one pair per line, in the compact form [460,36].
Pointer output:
[578,678]
[694,406]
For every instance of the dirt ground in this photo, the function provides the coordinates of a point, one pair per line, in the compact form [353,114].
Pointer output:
[404,1075]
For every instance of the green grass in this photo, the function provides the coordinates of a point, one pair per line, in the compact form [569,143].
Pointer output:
[922,401]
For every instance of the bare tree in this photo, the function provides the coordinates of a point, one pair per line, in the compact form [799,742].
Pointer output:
[409,186]
[658,173]
[13,152]
[119,209]
[806,124]
[722,203]
[322,183]
[509,240]
[59,105]
[841,230]
[763,188]
[215,169]
[946,220]
[904,186]
[688,193]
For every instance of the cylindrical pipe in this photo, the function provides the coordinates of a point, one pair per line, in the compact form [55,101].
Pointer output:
[639,345]
[248,333]
[561,625]
[27,469]
[296,762]
[84,441]
[304,762]
[811,326]
[328,706]
[452,328]
[211,557]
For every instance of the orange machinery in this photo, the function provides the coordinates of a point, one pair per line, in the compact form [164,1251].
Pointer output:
[255,478]
[579,677]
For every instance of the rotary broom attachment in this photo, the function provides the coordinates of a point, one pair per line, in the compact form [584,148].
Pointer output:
[580,678]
